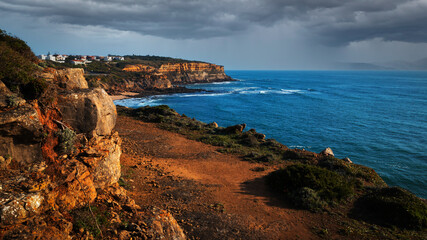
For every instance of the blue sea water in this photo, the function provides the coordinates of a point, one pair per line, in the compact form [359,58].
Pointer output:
[377,119]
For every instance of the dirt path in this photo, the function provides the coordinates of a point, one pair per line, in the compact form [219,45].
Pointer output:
[212,195]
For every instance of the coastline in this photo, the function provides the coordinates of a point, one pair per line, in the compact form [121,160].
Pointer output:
[166,91]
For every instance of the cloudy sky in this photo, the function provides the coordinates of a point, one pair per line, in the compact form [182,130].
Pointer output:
[239,34]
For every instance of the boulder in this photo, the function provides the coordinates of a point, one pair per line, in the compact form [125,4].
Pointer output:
[20,134]
[235,129]
[72,78]
[88,110]
[346,159]
[164,226]
[69,78]
[213,125]
[327,151]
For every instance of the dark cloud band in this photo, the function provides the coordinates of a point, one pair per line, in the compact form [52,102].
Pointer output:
[332,21]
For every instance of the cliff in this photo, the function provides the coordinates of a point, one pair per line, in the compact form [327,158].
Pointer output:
[166,76]
[184,73]
[60,161]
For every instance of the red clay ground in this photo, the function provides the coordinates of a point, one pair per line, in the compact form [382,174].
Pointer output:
[212,195]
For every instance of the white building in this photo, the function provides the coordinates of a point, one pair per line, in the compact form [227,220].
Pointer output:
[78,62]
[119,58]
[42,57]
[60,58]
[51,58]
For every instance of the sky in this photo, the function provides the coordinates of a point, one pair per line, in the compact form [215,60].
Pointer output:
[239,34]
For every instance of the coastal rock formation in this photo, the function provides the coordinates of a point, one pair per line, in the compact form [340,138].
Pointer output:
[69,78]
[41,186]
[167,75]
[88,110]
[327,151]
[235,129]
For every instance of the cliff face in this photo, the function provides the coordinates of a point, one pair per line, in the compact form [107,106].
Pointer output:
[171,74]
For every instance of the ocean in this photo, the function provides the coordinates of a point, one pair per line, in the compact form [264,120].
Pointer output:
[376,118]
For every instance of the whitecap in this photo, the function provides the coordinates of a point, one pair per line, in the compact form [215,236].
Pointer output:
[204,94]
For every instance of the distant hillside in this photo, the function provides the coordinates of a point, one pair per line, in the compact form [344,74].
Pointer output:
[409,65]
[359,66]
[393,65]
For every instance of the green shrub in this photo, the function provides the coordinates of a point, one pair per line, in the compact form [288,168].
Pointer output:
[218,140]
[353,170]
[66,139]
[392,206]
[12,101]
[328,185]
[307,198]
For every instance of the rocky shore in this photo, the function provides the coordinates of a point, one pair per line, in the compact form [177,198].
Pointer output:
[75,166]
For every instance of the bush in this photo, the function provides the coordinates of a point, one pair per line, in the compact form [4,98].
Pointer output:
[67,138]
[328,185]
[307,198]
[153,114]
[353,170]
[18,67]
[392,206]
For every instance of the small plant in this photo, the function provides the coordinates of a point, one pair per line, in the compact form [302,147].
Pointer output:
[12,101]
[67,138]
[83,218]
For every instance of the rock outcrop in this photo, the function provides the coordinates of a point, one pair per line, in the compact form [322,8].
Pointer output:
[69,78]
[88,110]
[168,75]
[40,185]
[20,134]
[327,151]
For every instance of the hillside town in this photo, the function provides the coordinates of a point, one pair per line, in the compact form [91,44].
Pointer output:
[79,59]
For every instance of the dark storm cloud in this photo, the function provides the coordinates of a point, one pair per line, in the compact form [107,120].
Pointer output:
[332,21]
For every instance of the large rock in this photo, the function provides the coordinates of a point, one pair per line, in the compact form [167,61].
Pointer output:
[69,78]
[235,129]
[327,151]
[72,78]
[20,134]
[88,110]
[106,169]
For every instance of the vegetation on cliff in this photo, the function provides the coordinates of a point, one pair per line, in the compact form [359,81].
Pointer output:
[142,73]
[18,67]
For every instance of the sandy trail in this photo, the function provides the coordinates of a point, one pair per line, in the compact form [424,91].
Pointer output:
[226,180]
